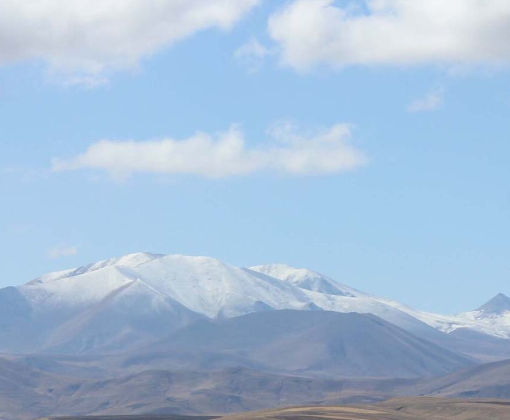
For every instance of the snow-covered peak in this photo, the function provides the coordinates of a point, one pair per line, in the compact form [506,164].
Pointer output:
[203,285]
[130,261]
[498,305]
[209,287]
[306,279]
[214,288]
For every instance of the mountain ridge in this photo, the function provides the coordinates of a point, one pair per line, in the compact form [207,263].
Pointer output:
[179,289]
[498,305]
[326,343]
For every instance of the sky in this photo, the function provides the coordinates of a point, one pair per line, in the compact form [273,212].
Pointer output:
[367,140]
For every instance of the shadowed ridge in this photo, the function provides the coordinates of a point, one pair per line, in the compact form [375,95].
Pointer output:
[498,305]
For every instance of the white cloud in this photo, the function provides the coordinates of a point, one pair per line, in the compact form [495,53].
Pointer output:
[62,251]
[393,32]
[96,37]
[430,102]
[252,55]
[225,154]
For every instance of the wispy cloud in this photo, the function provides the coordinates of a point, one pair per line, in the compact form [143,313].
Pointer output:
[392,32]
[252,55]
[226,154]
[62,251]
[430,102]
[87,40]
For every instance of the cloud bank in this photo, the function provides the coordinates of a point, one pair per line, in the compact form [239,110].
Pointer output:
[92,38]
[224,155]
[392,32]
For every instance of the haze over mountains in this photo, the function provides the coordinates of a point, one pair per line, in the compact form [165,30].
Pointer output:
[149,333]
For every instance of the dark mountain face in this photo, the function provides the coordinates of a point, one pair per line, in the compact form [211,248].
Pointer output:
[18,332]
[482,347]
[307,350]
[325,343]
[496,306]
[490,380]
[28,393]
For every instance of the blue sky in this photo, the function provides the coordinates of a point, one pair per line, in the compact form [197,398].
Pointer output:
[423,216]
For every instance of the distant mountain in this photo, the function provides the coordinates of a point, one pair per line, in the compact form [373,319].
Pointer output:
[492,318]
[105,306]
[129,301]
[28,393]
[307,279]
[326,343]
[120,303]
[24,391]
[440,409]
[481,346]
[484,381]
[365,303]
[498,305]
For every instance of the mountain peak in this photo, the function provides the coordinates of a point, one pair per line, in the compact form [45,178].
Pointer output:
[135,259]
[129,260]
[306,279]
[498,305]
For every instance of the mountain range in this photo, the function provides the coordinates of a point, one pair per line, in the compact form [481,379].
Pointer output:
[125,302]
[152,333]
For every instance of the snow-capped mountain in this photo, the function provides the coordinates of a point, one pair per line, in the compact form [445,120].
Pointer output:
[307,279]
[122,302]
[330,295]
[493,318]
[498,305]
[203,285]
[125,301]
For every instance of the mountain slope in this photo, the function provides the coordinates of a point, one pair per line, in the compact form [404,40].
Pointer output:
[493,317]
[157,392]
[484,381]
[28,393]
[216,289]
[129,316]
[325,343]
[307,279]
[119,303]
[490,320]
[498,305]
[122,302]
[25,393]
[17,331]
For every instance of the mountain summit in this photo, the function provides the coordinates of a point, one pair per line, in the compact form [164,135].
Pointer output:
[307,279]
[498,305]
[125,302]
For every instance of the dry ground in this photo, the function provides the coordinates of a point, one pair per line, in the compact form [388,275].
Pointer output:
[396,409]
